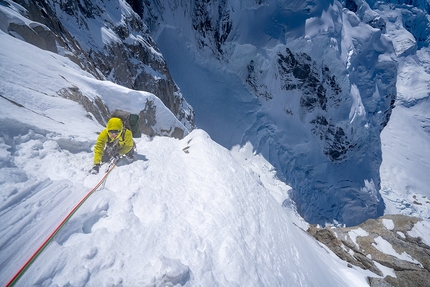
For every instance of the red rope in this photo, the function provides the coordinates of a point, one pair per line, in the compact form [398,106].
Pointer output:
[45,243]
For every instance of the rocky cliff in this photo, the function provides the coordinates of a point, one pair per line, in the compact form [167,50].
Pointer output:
[389,246]
[109,41]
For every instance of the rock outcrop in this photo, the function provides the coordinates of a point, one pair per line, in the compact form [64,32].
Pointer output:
[380,244]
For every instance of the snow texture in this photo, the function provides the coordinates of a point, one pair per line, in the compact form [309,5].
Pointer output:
[192,212]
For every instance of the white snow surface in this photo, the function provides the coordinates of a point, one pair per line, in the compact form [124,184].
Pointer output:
[385,270]
[421,229]
[388,223]
[353,234]
[385,247]
[185,212]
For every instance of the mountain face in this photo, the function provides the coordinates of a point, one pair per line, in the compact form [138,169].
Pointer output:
[311,85]
[107,40]
[322,75]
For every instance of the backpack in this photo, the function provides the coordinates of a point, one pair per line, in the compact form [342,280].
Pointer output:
[129,120]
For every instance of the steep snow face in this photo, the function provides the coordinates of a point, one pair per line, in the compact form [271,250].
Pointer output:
[307,83]
[406,139]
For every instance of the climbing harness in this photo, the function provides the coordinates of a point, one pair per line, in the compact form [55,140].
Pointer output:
[27,264]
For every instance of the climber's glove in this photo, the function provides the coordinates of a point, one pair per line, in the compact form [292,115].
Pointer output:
[95,169]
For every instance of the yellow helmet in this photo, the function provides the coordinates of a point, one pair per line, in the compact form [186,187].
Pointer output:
[114,126]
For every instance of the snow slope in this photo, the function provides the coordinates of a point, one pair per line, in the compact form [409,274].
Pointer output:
[186,212]
[405,140]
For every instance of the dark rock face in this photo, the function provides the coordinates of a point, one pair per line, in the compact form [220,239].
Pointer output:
[48,33]
[213,31]
[132,59]
[259,89]
[361,246]
[319,90]
[96,108]
[351,5]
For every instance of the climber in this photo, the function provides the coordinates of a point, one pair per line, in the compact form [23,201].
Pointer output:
[112,143]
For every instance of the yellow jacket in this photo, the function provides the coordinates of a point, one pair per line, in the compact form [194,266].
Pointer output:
[124,138]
